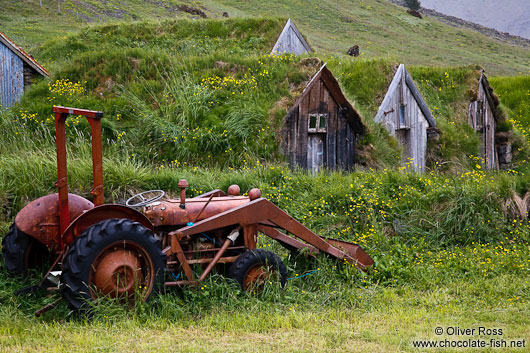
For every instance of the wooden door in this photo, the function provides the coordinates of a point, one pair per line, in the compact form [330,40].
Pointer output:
[315,152]
[403,137]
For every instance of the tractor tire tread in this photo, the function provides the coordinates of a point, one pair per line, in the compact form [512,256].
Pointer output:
[14,245]
[250,258]
[84,249]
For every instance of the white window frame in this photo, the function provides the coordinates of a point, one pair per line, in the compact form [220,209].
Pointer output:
[317,128]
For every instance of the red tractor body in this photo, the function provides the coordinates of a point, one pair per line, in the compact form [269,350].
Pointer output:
[40,218]
[170,213]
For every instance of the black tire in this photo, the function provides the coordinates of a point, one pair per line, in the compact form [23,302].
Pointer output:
[251,260]
[23,253]
[111,236]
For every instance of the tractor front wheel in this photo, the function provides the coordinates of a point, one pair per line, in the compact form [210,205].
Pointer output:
[115,258]
[23,253]
[254,268]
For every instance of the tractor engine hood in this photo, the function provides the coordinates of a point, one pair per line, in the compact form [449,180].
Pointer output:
[170,212]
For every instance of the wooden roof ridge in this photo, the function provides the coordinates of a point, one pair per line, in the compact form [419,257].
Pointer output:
[419,98]
[333,86]
[290,24]
[488,90]
[28,59]
[415,93]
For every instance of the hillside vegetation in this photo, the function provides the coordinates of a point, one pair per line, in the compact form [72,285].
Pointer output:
[174,89]
[203,100]
[514,93]
[170,100]
[381,29]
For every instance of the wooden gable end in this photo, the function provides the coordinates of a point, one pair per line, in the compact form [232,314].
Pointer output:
[483,117]
[406,116]
[336,124]
[291,41]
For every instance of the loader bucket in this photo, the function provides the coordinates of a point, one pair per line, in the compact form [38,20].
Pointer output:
[355,251]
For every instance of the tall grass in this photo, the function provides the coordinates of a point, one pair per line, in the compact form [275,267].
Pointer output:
[514,96]
[364,207]
[204,115]
[442,246]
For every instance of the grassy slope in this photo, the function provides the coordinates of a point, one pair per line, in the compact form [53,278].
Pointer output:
[383,29]
[173,98]
[31,25]
[514,93]
[378,27]
[178,80]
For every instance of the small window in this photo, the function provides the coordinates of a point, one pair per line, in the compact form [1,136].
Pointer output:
[323,122]
[313,121]
[318,123]
[402,115]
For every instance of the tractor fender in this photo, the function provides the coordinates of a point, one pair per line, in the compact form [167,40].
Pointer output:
[40,218]
[101,213]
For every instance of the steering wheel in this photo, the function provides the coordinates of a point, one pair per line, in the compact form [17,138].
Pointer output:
[158,194]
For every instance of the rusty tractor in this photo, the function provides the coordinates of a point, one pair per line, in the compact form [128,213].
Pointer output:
[152,242]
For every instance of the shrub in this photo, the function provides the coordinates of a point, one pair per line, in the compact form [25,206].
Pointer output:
[413,4]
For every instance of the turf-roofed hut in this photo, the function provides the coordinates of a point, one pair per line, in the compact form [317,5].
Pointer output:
[291,41]
[18,70]
[483,117]
[407,117]
[322,127]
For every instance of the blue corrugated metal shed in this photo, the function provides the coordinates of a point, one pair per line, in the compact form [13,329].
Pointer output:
[13,63]
[11,77]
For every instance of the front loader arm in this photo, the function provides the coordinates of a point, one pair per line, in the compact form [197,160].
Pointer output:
[267,216]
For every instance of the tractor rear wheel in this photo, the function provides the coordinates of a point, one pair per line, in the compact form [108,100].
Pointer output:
[115,258]
[254,268]
[23,253]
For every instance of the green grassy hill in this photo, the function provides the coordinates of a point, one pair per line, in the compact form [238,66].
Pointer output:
[181,87]
[31,25]
[178,87]
[174,89]
[380,28]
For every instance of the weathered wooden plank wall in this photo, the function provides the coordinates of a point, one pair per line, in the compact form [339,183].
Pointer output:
[481,119]
[417,125]
[332,149]
[11,77]
[290,41]
[412,132]
[488,132]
